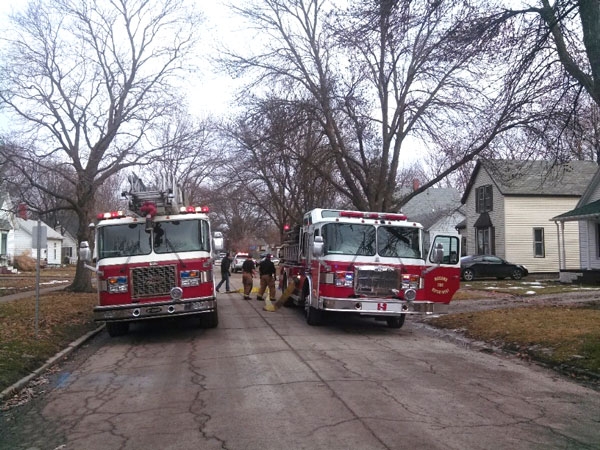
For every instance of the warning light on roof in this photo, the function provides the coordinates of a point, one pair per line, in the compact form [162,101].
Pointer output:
[286,227]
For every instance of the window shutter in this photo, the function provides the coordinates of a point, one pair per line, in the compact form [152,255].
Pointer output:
[491,205]
[493,240]
[477,200]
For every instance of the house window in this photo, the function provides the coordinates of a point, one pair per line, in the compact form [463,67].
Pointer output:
[3,243]
[55,251]
[539,249]
[484,199]
[463,248]
[483,241]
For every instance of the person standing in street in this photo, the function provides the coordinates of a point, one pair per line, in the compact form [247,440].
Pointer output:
[266,269]
[225,272]
[247,276]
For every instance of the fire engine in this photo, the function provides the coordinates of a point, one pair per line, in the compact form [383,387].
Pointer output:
[379,265]
[155,260]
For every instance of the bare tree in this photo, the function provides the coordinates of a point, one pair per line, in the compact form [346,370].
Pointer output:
[86,82]
[275,146]
[395,71]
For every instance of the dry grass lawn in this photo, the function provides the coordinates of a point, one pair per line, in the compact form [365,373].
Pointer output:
[557,335]
[25,281]
[64,317]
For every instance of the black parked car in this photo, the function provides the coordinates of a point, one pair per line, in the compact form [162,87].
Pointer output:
[482,266]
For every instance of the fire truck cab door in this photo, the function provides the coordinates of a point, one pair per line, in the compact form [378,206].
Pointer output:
[442,277]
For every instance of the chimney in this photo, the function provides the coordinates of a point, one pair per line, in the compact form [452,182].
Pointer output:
[416,184]
[22,211]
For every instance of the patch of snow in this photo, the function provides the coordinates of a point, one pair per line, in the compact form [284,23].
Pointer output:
[532,282]
[492,287]
[530,293]
[55,282]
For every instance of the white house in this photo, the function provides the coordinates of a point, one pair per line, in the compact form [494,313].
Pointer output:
[16,237]
[69,247]
[587,215]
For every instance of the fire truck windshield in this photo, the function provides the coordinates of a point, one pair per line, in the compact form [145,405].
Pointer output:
[398,242]
[181,236]
[368,240]
[123,240]
[349,239]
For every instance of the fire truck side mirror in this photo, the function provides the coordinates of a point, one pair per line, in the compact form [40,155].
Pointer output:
[218,241]
[438,253]
[318,246]
[84,252]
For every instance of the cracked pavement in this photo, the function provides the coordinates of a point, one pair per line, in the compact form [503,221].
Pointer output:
[269,381]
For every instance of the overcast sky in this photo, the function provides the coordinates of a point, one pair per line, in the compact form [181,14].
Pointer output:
[210,92]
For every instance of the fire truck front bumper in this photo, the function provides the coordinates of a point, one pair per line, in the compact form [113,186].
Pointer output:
[382,306]
[142,311]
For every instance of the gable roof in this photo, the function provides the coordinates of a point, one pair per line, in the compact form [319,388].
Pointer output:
[536,178]
[589,190]
[431,205]
[5,224]
[27,226]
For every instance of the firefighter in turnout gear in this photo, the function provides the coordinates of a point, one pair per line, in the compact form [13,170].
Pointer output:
[266,270]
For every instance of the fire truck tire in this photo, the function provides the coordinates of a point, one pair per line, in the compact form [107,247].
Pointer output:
[396,322]
[314,316]
[115,329]
[209,320]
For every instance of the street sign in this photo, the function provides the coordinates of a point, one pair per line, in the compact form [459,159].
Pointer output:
[43,237]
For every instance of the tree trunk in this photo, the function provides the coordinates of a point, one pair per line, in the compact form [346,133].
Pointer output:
[83,277]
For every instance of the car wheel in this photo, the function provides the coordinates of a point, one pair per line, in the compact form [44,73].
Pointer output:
[396,322]
[516,274]
[468,275]
[117,328]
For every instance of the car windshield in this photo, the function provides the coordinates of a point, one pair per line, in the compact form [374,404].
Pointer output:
[123,240]
[398,242]
[181,236]
[349,239]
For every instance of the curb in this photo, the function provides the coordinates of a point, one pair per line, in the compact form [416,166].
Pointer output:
[50,362]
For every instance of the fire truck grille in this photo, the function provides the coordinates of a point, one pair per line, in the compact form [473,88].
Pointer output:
[375,280]
[153,281]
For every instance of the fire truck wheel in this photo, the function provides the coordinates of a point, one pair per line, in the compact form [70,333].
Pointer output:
[209,320]
[117,328]
[314,316]
[396,322]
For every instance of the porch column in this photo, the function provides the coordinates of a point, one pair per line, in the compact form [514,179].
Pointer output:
[590,231]
[558,246]
[562,232]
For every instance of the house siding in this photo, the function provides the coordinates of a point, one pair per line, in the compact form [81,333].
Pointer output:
[496,215]
[525,213]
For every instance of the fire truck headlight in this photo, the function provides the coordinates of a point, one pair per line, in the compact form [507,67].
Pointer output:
[189,278]
[411,281]
[117,285]
[345,279]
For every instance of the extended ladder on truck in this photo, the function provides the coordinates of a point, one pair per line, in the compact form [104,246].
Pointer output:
[167,198]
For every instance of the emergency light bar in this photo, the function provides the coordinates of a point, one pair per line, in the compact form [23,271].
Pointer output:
[194,209]
[368,215]
[111,215]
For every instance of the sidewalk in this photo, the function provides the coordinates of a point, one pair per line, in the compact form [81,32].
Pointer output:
[27,294]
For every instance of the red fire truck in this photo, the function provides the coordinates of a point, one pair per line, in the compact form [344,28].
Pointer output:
[154,261]
[379,265]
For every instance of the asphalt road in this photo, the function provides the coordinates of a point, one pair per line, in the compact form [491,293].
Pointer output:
[269,381]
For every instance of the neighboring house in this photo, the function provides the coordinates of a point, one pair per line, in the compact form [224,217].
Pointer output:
[509,205]
[20,241]
[16,236]
[587,215]
[437,209]
[69,246]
